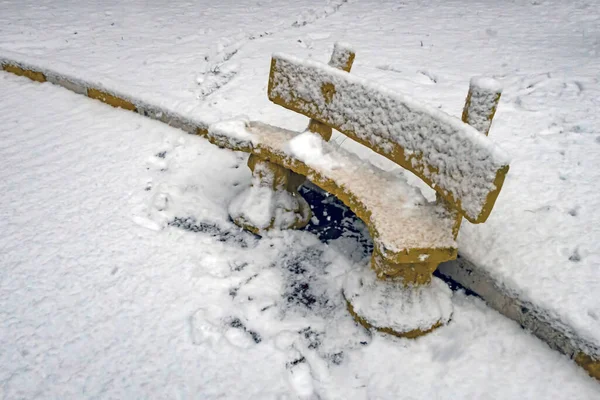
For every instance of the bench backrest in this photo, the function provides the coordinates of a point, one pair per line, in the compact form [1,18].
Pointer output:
[460,163]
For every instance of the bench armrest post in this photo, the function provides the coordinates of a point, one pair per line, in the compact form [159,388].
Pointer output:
[481,103]
[479,110]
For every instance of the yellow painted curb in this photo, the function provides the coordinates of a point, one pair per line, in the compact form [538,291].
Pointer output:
[33,75]
[110,99]
[590,364]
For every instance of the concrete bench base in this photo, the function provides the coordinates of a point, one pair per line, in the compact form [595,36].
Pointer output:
[392,307]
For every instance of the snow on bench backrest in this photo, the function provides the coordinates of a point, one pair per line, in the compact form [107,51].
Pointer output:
[456,160]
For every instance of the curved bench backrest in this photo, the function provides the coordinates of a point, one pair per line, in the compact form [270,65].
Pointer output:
[457,161]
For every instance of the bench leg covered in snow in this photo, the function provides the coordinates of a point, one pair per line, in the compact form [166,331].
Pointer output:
[286,209]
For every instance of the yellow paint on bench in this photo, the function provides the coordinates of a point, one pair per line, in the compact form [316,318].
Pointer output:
[110,99]
[411,272]
[33,75]
[328,91]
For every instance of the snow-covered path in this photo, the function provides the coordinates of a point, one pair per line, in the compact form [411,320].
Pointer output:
[101,298]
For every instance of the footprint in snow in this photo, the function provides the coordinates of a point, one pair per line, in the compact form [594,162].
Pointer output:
[218,72]
[202,330]
[160,201]
[430,76]
[575,256]
[158,162]
[239,335]
[300,377]
[205,329]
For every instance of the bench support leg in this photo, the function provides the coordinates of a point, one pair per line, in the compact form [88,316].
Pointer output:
[392,305]
[409,273]
[479,110]
[403,300]
[273,201]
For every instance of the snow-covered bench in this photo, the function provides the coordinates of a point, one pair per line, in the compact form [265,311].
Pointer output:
[411,235]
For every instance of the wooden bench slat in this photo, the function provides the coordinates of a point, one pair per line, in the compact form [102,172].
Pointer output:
[465,167]
[405,227]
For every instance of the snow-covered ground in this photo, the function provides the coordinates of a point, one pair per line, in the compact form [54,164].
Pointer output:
[211,61]
[123,278]
[101,297]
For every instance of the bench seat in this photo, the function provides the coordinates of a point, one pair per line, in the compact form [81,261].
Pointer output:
[405,227]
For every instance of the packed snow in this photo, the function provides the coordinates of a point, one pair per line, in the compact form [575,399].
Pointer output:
[308,147]
[104,293]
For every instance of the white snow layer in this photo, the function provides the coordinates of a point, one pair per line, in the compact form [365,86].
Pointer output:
[486,83]
[123,278]
[234,130]
[463,161]
[341,54]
